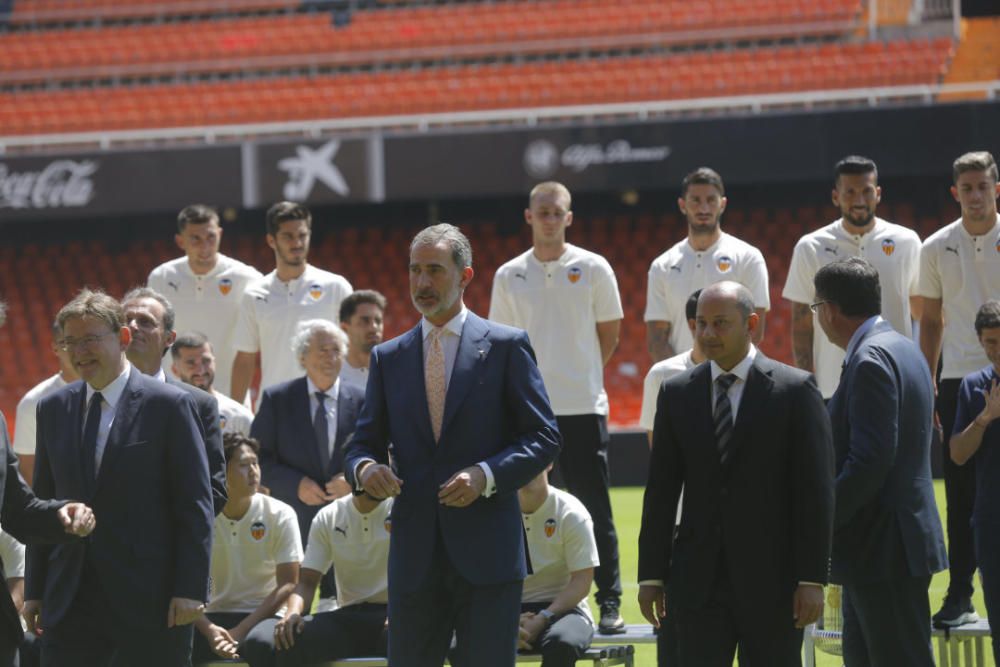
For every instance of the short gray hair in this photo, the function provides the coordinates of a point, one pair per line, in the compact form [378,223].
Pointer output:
[137,293]
[309,328]
[461,249]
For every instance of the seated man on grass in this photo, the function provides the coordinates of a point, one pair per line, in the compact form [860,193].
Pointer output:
[352,535]
[555,618]
[256,551]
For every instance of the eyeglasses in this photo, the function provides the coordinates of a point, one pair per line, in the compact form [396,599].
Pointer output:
[70,344]
[815,306]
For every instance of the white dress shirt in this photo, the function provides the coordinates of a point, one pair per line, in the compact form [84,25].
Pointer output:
[740,370]
[331,409]
[111,394]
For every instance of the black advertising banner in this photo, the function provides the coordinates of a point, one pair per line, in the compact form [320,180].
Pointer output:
[318,172]
[747,150]
[93,184]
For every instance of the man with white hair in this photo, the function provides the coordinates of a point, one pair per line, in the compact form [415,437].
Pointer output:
[302,425]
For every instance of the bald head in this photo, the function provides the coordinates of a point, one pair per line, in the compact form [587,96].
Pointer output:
[730,291]
[725,322]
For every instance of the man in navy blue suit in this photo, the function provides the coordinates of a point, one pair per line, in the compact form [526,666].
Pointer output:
[887,539]
[131,447]
[302,426]
[462,402]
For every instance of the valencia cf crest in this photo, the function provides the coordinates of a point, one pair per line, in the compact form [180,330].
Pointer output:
[725,262]
[387,524]
[888,247]
[574,274]
[225,286]
[550,527]
[316,291]
[258,530]
[998,245]
[222,422]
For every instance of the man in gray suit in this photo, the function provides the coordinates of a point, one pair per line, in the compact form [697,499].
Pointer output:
[887,540]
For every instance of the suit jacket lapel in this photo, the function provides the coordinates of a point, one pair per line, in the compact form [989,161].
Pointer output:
[473,347]
[301,413]
[699,407]
[411,374]
[125,413]
[755,394]
[347,412]
[75,422]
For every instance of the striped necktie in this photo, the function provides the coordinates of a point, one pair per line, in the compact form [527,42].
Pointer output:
[723,414]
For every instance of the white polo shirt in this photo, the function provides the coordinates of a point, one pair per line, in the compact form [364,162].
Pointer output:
[12,555]
[26,422]
[964,272]
[559,304]
[356,545]
[560,541]
[357,377]
[892,249]
[272,311]
[209,303]
[246,552]
[233,417]
[658,373]
[677,273]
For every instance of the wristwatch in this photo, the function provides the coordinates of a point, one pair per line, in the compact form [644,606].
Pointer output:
[548,616]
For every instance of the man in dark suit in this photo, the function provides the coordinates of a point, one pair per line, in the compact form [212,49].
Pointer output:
[301,438]
[150,317]
[887,533]
[132,448]
[748,439]
[462,402]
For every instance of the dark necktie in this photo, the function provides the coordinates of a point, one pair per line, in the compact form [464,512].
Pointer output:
[322,433]
[723,414]
[90,429]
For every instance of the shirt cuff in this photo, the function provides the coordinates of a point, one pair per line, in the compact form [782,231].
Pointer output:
[358,487]
[491,486]
[810,583]
[652,582]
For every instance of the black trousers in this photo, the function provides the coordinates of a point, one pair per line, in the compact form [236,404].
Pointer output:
[567,639]
[96,634]
[710,636]
[960,496]
[988,556]
[888,623]
[355,631]
[256,649]
[583,466]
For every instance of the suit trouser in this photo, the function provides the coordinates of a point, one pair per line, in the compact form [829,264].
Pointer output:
[567,639]
[988,556]
[256,649]
[483,618]
[888,623]
[354,631]
[709,636]
[960,496]
[94,633]
[583,464]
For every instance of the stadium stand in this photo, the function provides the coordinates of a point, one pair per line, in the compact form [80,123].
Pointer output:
[460,88]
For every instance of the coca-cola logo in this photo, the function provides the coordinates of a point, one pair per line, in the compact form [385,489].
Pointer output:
[61,184]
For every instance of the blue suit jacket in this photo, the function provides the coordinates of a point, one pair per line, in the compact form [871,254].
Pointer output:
[288,448]
[28,519]
[211,431]
[886,522]
[152,500]
[496,411]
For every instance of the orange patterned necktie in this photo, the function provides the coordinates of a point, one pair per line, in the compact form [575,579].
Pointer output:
[434,380]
